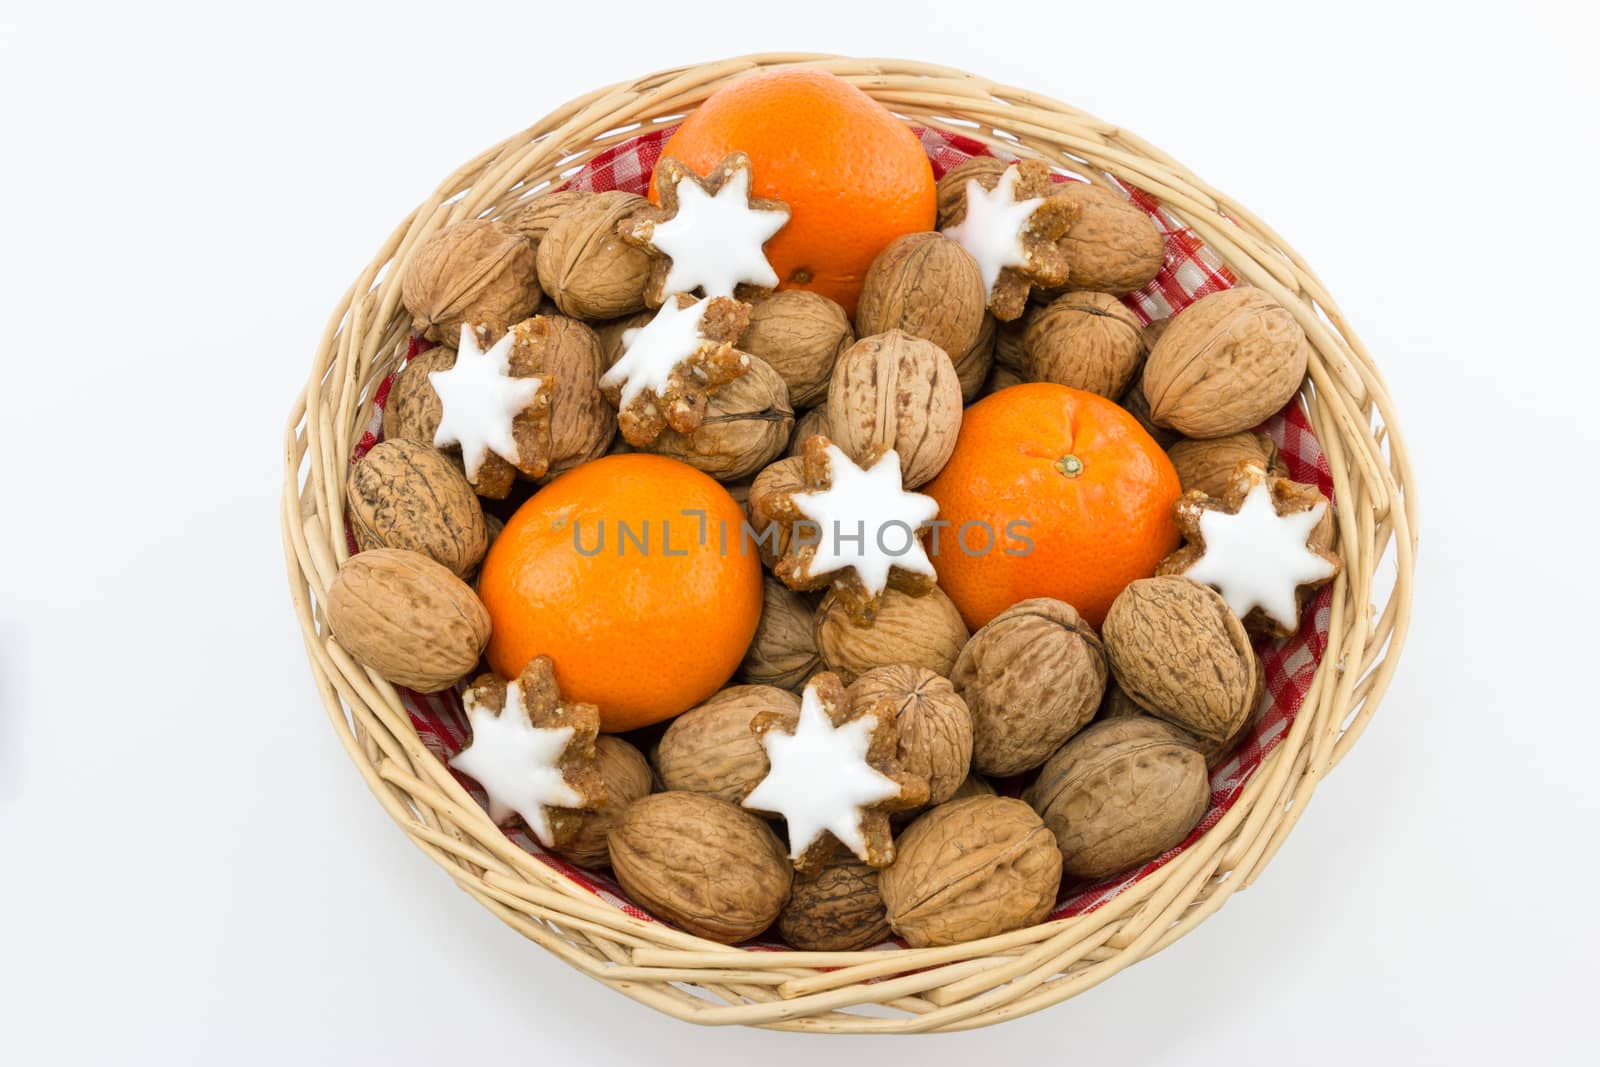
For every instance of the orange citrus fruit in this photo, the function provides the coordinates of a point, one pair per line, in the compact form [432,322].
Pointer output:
[854,176]
[1051,492]
[630,573]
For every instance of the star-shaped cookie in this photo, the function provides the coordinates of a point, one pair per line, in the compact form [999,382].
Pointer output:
[497,411]
[1013,228]
[708,234]
[833,775]
[533,754]
[670,366]
[1263,545]
[855,528]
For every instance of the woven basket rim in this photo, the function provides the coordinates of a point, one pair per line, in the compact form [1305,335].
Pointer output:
[958,987]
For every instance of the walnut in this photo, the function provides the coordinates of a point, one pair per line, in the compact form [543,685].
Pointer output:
[934,724]
[412,411]
[927,286]
[838,909]
[478,271]
[746,425]
[784,651]
[588,270]
[768,492]
[581,836]
[801,335]
[1085,340]
[973,365]
[407,495]
[806,426]
[407,618]
[1120,793]
[898,391]
[1179,653]
[1208,466]
[566,353]
[710,749]
[1009,338]
[1134,403]
[1113,246]
[534,218]
[713,869]
[1032,677]
[1227,362]
[923,631]
[969,869]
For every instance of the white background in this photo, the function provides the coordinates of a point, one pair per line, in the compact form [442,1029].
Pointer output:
[191,871]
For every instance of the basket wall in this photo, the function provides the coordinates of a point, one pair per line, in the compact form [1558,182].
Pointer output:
[912,989]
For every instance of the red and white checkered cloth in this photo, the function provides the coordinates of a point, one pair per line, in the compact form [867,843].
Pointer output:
[1191,271]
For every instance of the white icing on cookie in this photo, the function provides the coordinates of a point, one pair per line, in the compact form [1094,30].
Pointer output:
[820,779]
[873,504]
[478,399]
[992,229]
[517,763]
[651,352]
[716,241]
[1258,558]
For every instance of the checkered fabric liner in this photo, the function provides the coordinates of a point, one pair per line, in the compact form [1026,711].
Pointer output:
[1191,271]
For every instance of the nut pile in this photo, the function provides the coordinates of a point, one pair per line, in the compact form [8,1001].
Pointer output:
[874,769]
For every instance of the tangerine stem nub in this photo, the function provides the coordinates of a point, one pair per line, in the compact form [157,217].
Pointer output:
[1069,465]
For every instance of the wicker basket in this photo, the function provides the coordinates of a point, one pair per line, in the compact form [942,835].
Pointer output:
[893,990]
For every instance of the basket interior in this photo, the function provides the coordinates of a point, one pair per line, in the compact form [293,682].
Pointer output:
[1191,270]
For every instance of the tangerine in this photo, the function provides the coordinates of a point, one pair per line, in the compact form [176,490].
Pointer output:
[631,574]
[1060,493]
[854,176]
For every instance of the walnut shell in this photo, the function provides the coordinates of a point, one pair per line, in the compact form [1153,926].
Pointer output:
[1113,246]
[1226,363]
[774,484]
[1208,466]
[403,494]
[627,777]
[712,868]
[711,749]
[534,218]
[1134,403]
[1120,793]
[969,869]
[566,353]
[838,909]
[1119,705]
[1085,340]
[800,334]
[934,724]
[898,391]
[746,426]
[922,631]
[407,618]
[1009,338]
[973,365]
[589,271]
[928,286]
[811,422]
[1032,677]
[412,411]
[784,650]
[1180,654]
[478,271]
